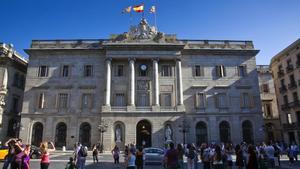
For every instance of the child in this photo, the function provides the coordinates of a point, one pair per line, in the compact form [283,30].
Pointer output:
[70,164]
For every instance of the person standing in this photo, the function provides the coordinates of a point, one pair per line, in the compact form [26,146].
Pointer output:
[11,150]
[130,160]
[116,154]
[45,162]
[239,157]
[171,157]
[139,158]
[95,153]
[26,157]
[81,157]
[180,152]
[190,154]
[217,158]
[294,148]
[252,159]
[270,151]
[228,154]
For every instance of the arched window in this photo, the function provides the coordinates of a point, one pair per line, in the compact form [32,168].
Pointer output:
[60,134]
[85,134]
[225,135]
[247,131]
[201,133]
[37,134]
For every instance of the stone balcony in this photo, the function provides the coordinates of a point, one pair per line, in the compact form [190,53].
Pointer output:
[178,108]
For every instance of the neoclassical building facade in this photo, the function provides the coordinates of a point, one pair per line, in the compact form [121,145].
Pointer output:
[141,87]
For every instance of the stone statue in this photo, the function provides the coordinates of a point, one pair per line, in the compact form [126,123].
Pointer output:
[118,134]
[168,133]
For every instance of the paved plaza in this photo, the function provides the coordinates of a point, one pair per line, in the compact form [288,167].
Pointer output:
[59,160]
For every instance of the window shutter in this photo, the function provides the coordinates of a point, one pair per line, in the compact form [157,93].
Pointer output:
[201,70]
[196,101]
[252,101]
[223,71]
[242,105]
[218,71]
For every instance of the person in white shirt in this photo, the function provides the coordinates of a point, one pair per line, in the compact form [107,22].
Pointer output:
[269,149]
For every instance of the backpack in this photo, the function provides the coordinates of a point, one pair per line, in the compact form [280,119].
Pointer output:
[83,151]
[191,154]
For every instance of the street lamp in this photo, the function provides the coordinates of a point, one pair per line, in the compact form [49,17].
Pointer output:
[184,128]
[102,127]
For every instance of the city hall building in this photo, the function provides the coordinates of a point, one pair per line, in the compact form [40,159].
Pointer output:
[143,87]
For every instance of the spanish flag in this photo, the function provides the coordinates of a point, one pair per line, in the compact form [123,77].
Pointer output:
[139,8]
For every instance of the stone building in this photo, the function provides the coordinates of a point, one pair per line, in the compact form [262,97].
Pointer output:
[12,82]
[272,126]
[141,87]
[285,67]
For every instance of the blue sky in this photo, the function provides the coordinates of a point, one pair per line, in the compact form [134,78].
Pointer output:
[271,24]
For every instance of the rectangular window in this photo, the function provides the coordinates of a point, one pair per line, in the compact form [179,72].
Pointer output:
[289,118]
[282,82]
[245,100]
[43,71]
[88,70]
[120,99]
[289,63]
[285,100]
[65,71]
[200,100]
[199,70]
[15,105]
[242,71]
[166,70]
[295,96]
[220,71]
[63,100]
[268,110]
[41,101]
[119,70]
[143,99]
[265,88]
[86,100]
[292,80]
[221,100]
[165,99]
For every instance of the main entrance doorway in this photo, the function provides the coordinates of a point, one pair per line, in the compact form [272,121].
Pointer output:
[143,133]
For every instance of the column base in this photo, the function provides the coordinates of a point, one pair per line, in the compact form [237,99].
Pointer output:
[106,108]
[180,108]
[156,108]
[131,108]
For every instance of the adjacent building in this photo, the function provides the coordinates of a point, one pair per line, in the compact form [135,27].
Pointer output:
[285,69]
[272,126]
[12,82]
[143,87]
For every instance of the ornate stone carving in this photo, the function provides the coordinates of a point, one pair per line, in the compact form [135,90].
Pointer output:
[2,100]
[143,85]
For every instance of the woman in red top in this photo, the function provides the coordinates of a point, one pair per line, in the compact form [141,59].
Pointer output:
[45,154]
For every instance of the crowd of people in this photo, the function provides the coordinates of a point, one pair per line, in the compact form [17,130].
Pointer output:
[18,156]
[212,156]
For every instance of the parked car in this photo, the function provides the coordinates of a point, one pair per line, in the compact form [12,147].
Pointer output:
[153,155]
[35,152]
[3,153]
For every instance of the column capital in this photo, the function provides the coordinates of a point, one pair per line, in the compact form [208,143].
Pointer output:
[108,59]
[131,59]
[178,59]
[155,59]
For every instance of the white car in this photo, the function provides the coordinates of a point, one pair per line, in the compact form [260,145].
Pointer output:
[153,155]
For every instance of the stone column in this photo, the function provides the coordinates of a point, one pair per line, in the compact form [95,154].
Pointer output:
[156,84]
[108,82]
[179,82]
[131,82]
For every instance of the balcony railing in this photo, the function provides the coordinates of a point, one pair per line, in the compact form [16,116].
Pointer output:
[282,89]
[292,85]
[118,108]
[294,104]
[289,68]
[280,73]
[285,107]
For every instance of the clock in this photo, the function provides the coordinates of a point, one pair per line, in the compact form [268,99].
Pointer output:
[143,67]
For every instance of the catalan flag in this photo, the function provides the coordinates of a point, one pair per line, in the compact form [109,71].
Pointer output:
[152,9]
[139,8]
[127,10]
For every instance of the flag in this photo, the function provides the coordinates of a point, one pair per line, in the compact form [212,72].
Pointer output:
[127,10]
[139,8]
[152,9]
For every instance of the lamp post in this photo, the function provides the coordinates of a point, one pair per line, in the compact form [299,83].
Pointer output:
[184,128]
[102,127]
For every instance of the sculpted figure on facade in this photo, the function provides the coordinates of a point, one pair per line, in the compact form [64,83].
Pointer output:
[168,133]
[118,134]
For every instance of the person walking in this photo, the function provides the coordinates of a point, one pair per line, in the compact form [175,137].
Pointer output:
[228,154]
[45,161]
[217,158]
[95,153]
[139,158]
[180,152]
[81,157]
[11,152]
[130,160]
[116,154]
[252,158]
[171,157]
[190,154]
